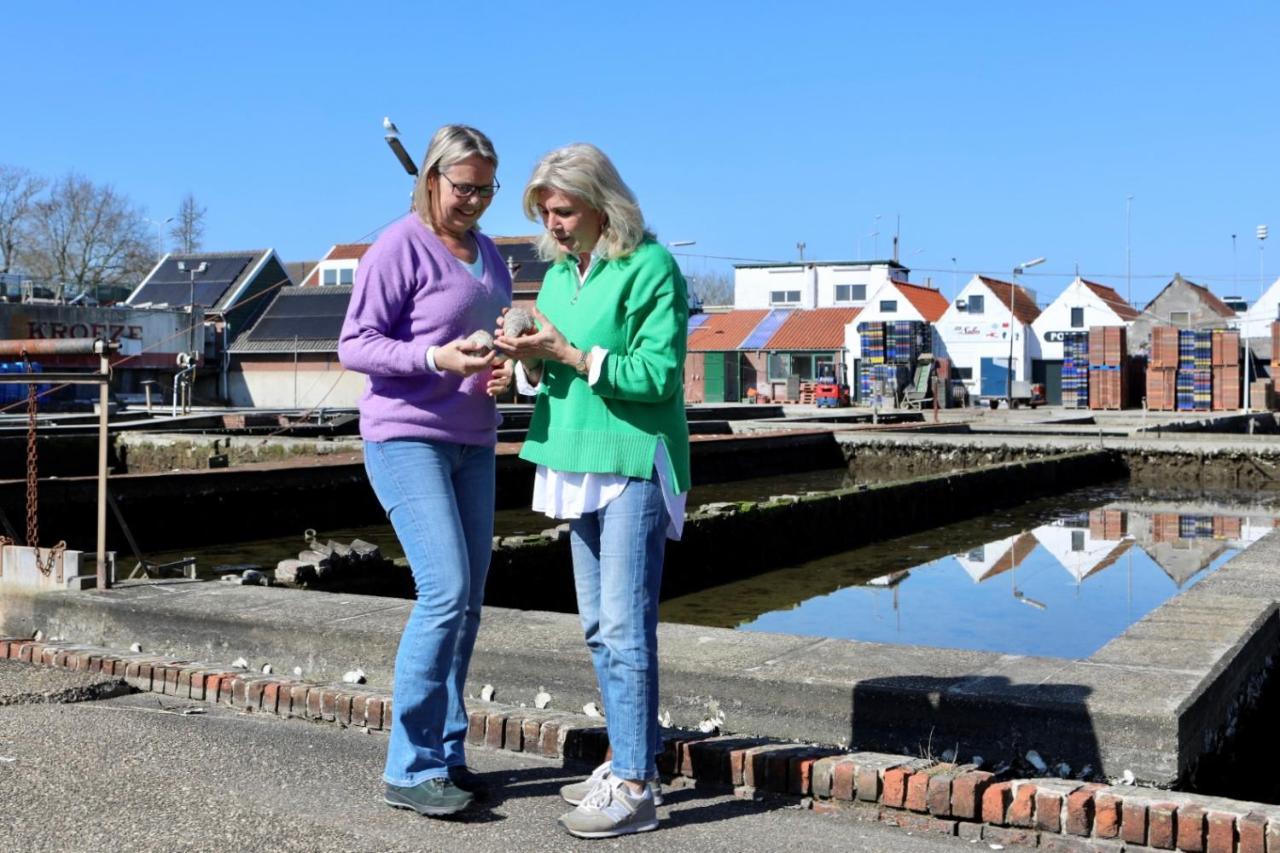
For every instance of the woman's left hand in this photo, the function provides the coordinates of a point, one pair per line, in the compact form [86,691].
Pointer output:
[500,378]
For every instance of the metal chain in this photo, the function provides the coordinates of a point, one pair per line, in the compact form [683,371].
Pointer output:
[33,496]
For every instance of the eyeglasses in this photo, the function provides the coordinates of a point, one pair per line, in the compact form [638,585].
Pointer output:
[468,190]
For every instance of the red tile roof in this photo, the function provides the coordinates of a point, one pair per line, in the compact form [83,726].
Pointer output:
[814,329]
[1019,550]
[503,241]
[1023,303]
[347,252]
[929,302]
[1114,301]
[722,332]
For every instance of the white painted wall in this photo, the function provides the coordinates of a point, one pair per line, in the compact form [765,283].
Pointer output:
[316,385]
[816,282]
[1056,318]
[1256,322]
[967,338]
[872,312]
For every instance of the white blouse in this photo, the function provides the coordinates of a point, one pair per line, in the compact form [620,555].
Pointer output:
[570,494]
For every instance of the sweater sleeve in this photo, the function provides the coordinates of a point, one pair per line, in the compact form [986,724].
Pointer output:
[382,294]
[651,367]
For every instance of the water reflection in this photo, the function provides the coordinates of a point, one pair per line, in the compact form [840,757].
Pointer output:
[1061,588]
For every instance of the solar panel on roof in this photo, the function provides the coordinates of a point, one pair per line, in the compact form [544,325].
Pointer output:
[318,302]
[288,328]
[179,293]
[765,329]
[696,320]
[311,313]
[173,286]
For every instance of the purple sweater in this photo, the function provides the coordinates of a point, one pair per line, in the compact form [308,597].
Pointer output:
[411,293]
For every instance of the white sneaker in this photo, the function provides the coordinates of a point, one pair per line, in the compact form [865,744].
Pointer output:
[611,810]
[575,792]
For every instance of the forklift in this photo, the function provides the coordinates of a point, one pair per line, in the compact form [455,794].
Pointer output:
[830,388]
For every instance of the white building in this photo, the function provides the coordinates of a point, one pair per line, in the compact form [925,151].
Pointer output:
[1256,322]
[1080,305]
[896,300]
[975,334]
[812,284]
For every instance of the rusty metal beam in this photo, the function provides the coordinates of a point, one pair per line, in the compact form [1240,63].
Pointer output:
[56,346]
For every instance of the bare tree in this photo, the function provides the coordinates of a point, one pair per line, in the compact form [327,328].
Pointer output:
[712,288]
[85,233]
[187,230]
[18,192]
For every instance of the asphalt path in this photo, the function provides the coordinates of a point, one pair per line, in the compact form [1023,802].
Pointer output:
[144,772]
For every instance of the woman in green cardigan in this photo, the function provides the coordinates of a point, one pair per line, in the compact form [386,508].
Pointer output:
[611,443]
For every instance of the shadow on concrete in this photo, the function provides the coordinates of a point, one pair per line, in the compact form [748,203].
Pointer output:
[979,715]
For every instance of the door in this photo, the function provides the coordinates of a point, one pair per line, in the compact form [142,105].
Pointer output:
[713,377]
[994,378]
[1049,374]
[731,386]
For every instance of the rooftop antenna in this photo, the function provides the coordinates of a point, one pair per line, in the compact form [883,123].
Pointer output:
[393,140]
[800,249]
[897,232]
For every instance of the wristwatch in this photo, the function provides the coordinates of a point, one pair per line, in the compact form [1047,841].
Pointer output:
[581,364]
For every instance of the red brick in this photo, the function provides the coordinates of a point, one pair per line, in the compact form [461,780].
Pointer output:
[737,765]
[1221,835]
[475,727]
[360,710]
[1162,826]
[495,730]
[388,712]
[315,703]
[549,739]
[48,655]
[822,776]
[346,703]
[4,648]
[918,822]
[756,761]
[513,739]
[1048,811]
[1273,835]
[117,666]
[1106,816]
[966,794]
[270,696]
[227,689]
[1080,811]
[253,694]
[1133,822]
[918,792]
[800,774]
[1009,836]
[373,712]
[1253,833]
[532,733]
[895,786]
[1022,810]
[329,703]
[844,780]
[995,802]
[867,784]
[938,795]
[1190,833]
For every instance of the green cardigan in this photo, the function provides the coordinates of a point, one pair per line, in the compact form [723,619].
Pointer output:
[637,308]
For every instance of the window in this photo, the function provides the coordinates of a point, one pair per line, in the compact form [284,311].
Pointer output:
[1077,540]
[975,304]
[779,366]
[1180,318]
[851,293]
[332,275]
[1077,318]
[330,278]
[346,276]
[962,372]
[802,366]
[888,306]
[784,297]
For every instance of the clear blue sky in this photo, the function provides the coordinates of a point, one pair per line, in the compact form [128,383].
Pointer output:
[999,131]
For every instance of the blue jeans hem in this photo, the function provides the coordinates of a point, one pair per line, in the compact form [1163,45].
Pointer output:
[426,775]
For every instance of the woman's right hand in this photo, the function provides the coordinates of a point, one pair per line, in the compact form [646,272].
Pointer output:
[464,357]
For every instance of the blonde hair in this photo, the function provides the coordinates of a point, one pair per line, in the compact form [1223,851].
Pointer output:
[585,172]
[451,144]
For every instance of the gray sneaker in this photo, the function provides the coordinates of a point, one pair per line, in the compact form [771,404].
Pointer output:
[575,792]
[434,797]
[611,810]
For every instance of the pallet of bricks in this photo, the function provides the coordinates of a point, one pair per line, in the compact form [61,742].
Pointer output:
[1225,359]
[1162,369]
[1108,524]
[1075,370]
[1108,367]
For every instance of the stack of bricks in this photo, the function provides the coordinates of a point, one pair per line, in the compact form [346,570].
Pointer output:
[915,793]
[1108,524]
[1108,367]
[1226,369]
[1162,369]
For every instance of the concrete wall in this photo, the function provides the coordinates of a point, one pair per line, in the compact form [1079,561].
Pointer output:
[275,382]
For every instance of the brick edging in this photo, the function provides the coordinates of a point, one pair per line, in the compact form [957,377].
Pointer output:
[918,794]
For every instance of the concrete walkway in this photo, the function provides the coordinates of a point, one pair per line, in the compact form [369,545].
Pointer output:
[149,773]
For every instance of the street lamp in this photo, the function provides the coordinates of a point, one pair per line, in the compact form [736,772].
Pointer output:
[392,137]
[159,225]
[192,272]
[1248,350]
[1013,303]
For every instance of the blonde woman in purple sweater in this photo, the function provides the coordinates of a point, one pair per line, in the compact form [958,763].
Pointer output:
[428,419]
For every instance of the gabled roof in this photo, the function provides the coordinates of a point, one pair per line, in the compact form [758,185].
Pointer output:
[299,319]
[1013,296]
[1206,296]
[337,252]
[1114,301]
[929,302]
[521,255]
[722,332]
[216,288]
[813,329]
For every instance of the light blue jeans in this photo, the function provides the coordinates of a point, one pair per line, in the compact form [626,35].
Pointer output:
[439,497]
[617,570]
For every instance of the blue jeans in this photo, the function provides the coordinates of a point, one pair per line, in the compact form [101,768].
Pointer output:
[439,497]
[617,570]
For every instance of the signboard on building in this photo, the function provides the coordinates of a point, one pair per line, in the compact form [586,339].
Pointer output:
[148,338]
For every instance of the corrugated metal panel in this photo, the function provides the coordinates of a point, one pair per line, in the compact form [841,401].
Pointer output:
[766,329]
